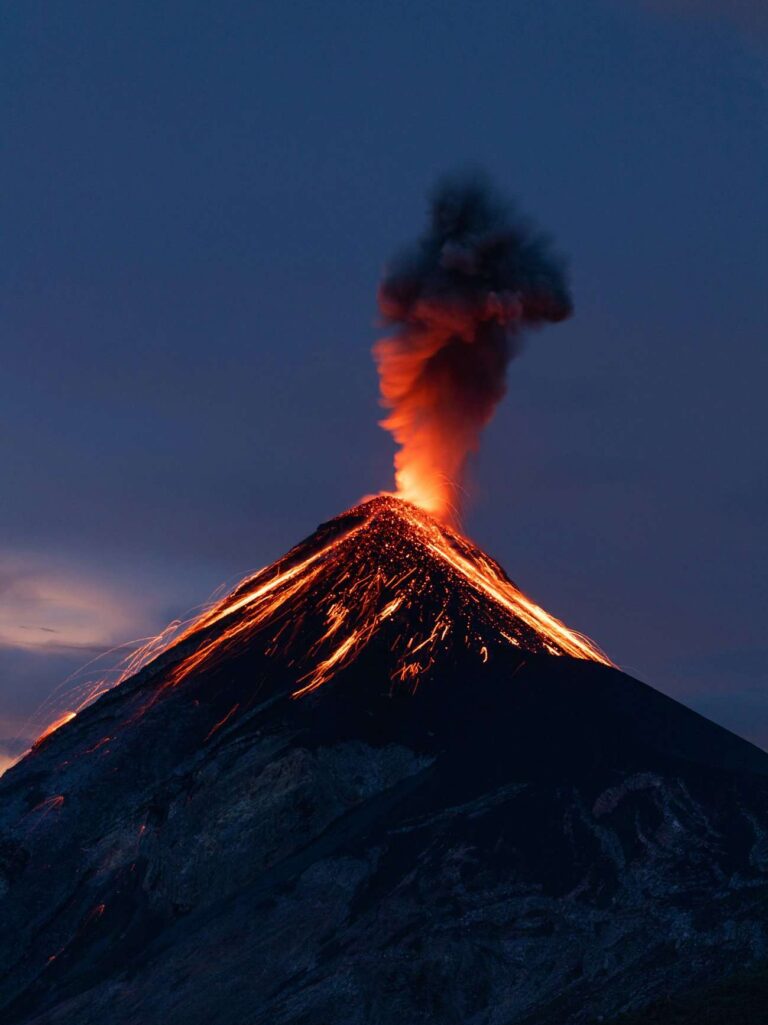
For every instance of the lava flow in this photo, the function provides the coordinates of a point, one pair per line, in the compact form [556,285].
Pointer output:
[385,573]
[393,576]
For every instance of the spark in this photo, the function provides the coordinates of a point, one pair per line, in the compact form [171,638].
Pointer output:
[222,722]
[382,571]
[385,574]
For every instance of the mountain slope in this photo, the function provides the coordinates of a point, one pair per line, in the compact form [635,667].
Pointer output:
[739,1000]
[383,575]
[257,828]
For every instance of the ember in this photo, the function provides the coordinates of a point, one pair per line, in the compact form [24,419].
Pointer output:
[384,570]
[395,573]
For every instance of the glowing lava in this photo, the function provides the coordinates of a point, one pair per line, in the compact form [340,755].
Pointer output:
[384,581]
[57,723]
[386,574]
[392,578]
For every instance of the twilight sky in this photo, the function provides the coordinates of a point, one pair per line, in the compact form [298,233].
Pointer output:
[198,201]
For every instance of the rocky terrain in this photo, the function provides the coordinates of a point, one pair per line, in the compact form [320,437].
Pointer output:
[530,838]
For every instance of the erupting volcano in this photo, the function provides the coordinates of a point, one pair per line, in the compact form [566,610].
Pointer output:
[394,575]
[376,783]
[384,574]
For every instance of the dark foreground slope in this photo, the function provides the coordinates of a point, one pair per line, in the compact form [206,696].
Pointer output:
[528,839]
[741,999]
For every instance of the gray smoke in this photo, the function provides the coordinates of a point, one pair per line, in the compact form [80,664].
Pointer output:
[459,300]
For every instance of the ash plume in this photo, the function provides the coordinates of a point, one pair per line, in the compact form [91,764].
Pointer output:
[458,301]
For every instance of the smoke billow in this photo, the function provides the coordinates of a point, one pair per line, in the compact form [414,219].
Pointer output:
[458,300]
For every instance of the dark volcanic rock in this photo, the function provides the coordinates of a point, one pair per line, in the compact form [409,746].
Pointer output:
[533,839]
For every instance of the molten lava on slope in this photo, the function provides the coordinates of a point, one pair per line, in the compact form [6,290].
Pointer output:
[384,571]
[370,750]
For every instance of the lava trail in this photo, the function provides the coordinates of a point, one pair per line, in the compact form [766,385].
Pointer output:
[384,571]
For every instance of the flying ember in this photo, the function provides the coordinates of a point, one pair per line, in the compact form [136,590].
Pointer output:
[393,581]
[385,575]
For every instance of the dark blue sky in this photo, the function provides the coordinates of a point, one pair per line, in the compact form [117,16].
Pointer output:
[198,200]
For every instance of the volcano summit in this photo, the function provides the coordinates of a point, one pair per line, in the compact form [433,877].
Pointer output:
[377,784]
[386,575]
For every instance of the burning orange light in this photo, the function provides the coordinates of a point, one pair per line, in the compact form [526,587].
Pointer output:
[385,573]
[55,725]
[456,303]
[359,583]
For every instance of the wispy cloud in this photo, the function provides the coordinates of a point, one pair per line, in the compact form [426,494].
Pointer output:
[56,619]
[44,607]
[67,628]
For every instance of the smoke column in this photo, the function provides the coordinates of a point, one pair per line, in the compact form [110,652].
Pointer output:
[458,301]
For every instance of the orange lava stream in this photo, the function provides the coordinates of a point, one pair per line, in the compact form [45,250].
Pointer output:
[385,572]
[65,717]
[354,611]
[261,601]
[484,576]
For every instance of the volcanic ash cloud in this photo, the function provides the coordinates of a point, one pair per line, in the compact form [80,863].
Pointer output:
[458,301]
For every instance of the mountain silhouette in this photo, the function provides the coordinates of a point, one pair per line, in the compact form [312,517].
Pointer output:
[377,784]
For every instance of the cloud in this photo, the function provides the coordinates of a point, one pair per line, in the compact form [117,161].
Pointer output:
[44,607]
[58,625]
[66,630]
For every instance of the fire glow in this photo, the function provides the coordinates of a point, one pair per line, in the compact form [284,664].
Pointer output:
[395,576]
[387,572]
[457,304]
[57,723]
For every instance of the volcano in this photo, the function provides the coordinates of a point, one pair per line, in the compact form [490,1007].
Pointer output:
[377,784]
